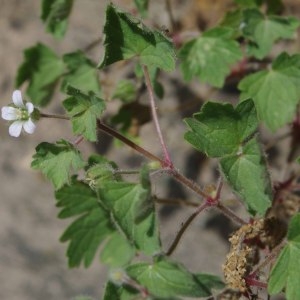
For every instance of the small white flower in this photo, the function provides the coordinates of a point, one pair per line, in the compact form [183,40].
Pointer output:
[20,114]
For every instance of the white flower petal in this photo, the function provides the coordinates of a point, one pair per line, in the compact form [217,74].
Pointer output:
[17,98]
[15,128]
[9,113]
[30,107]
[29,126]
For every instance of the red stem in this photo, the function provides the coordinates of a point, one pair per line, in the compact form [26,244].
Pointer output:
[167,159]
[184,227]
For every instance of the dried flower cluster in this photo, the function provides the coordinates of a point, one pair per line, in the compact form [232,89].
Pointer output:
[236,266]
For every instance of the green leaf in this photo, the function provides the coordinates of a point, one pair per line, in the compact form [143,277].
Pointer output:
[125,91]
[286,272]
[117,251]
[55,15]
[233,19]
[210,56]
[84,110]
[82,74]
[133,211]
[165,278]
[57,161]
[221,131]
[262,31]
[275,91]
[142,6]
[91,227]
[117,292]
[247,173]
[293,234]
[274,6]
[210,281]
[127,37]
[41,68]
[248,3]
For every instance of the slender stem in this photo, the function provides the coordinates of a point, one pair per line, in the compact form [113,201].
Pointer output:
[79,140]
[230,214]
[110,131]
[54,116]
[219,188]
[269,258]
[176,202]
[189,183]
[253,282]
[132,283]
[167,159]
[184,227]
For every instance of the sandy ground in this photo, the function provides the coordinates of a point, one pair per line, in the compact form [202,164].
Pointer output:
[32,260]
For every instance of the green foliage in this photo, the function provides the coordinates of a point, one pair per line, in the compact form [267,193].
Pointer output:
[166,279]
[117,251]
[286,272]
[41,68]
[210,56]
[142,6]
[55,15]
[118,292]
[221,131]
[84,110]
[127,37]
[82,73]
[125,91]
[275,91]
[91,227]
[133,211]
[119,217]
[262,31]
[57,161]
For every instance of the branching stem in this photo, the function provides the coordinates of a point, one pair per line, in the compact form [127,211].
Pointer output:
[169,169]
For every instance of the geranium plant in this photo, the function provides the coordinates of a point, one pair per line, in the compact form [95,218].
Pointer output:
[120,215]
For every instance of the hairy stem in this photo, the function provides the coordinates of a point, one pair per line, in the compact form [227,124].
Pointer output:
[176,202]
[184,227]
[167,158]
[192,185]
[42,115]
[257,283]
[110,131]
[79,140]
[230,214]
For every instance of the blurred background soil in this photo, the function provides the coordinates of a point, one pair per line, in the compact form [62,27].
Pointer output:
[33,264]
